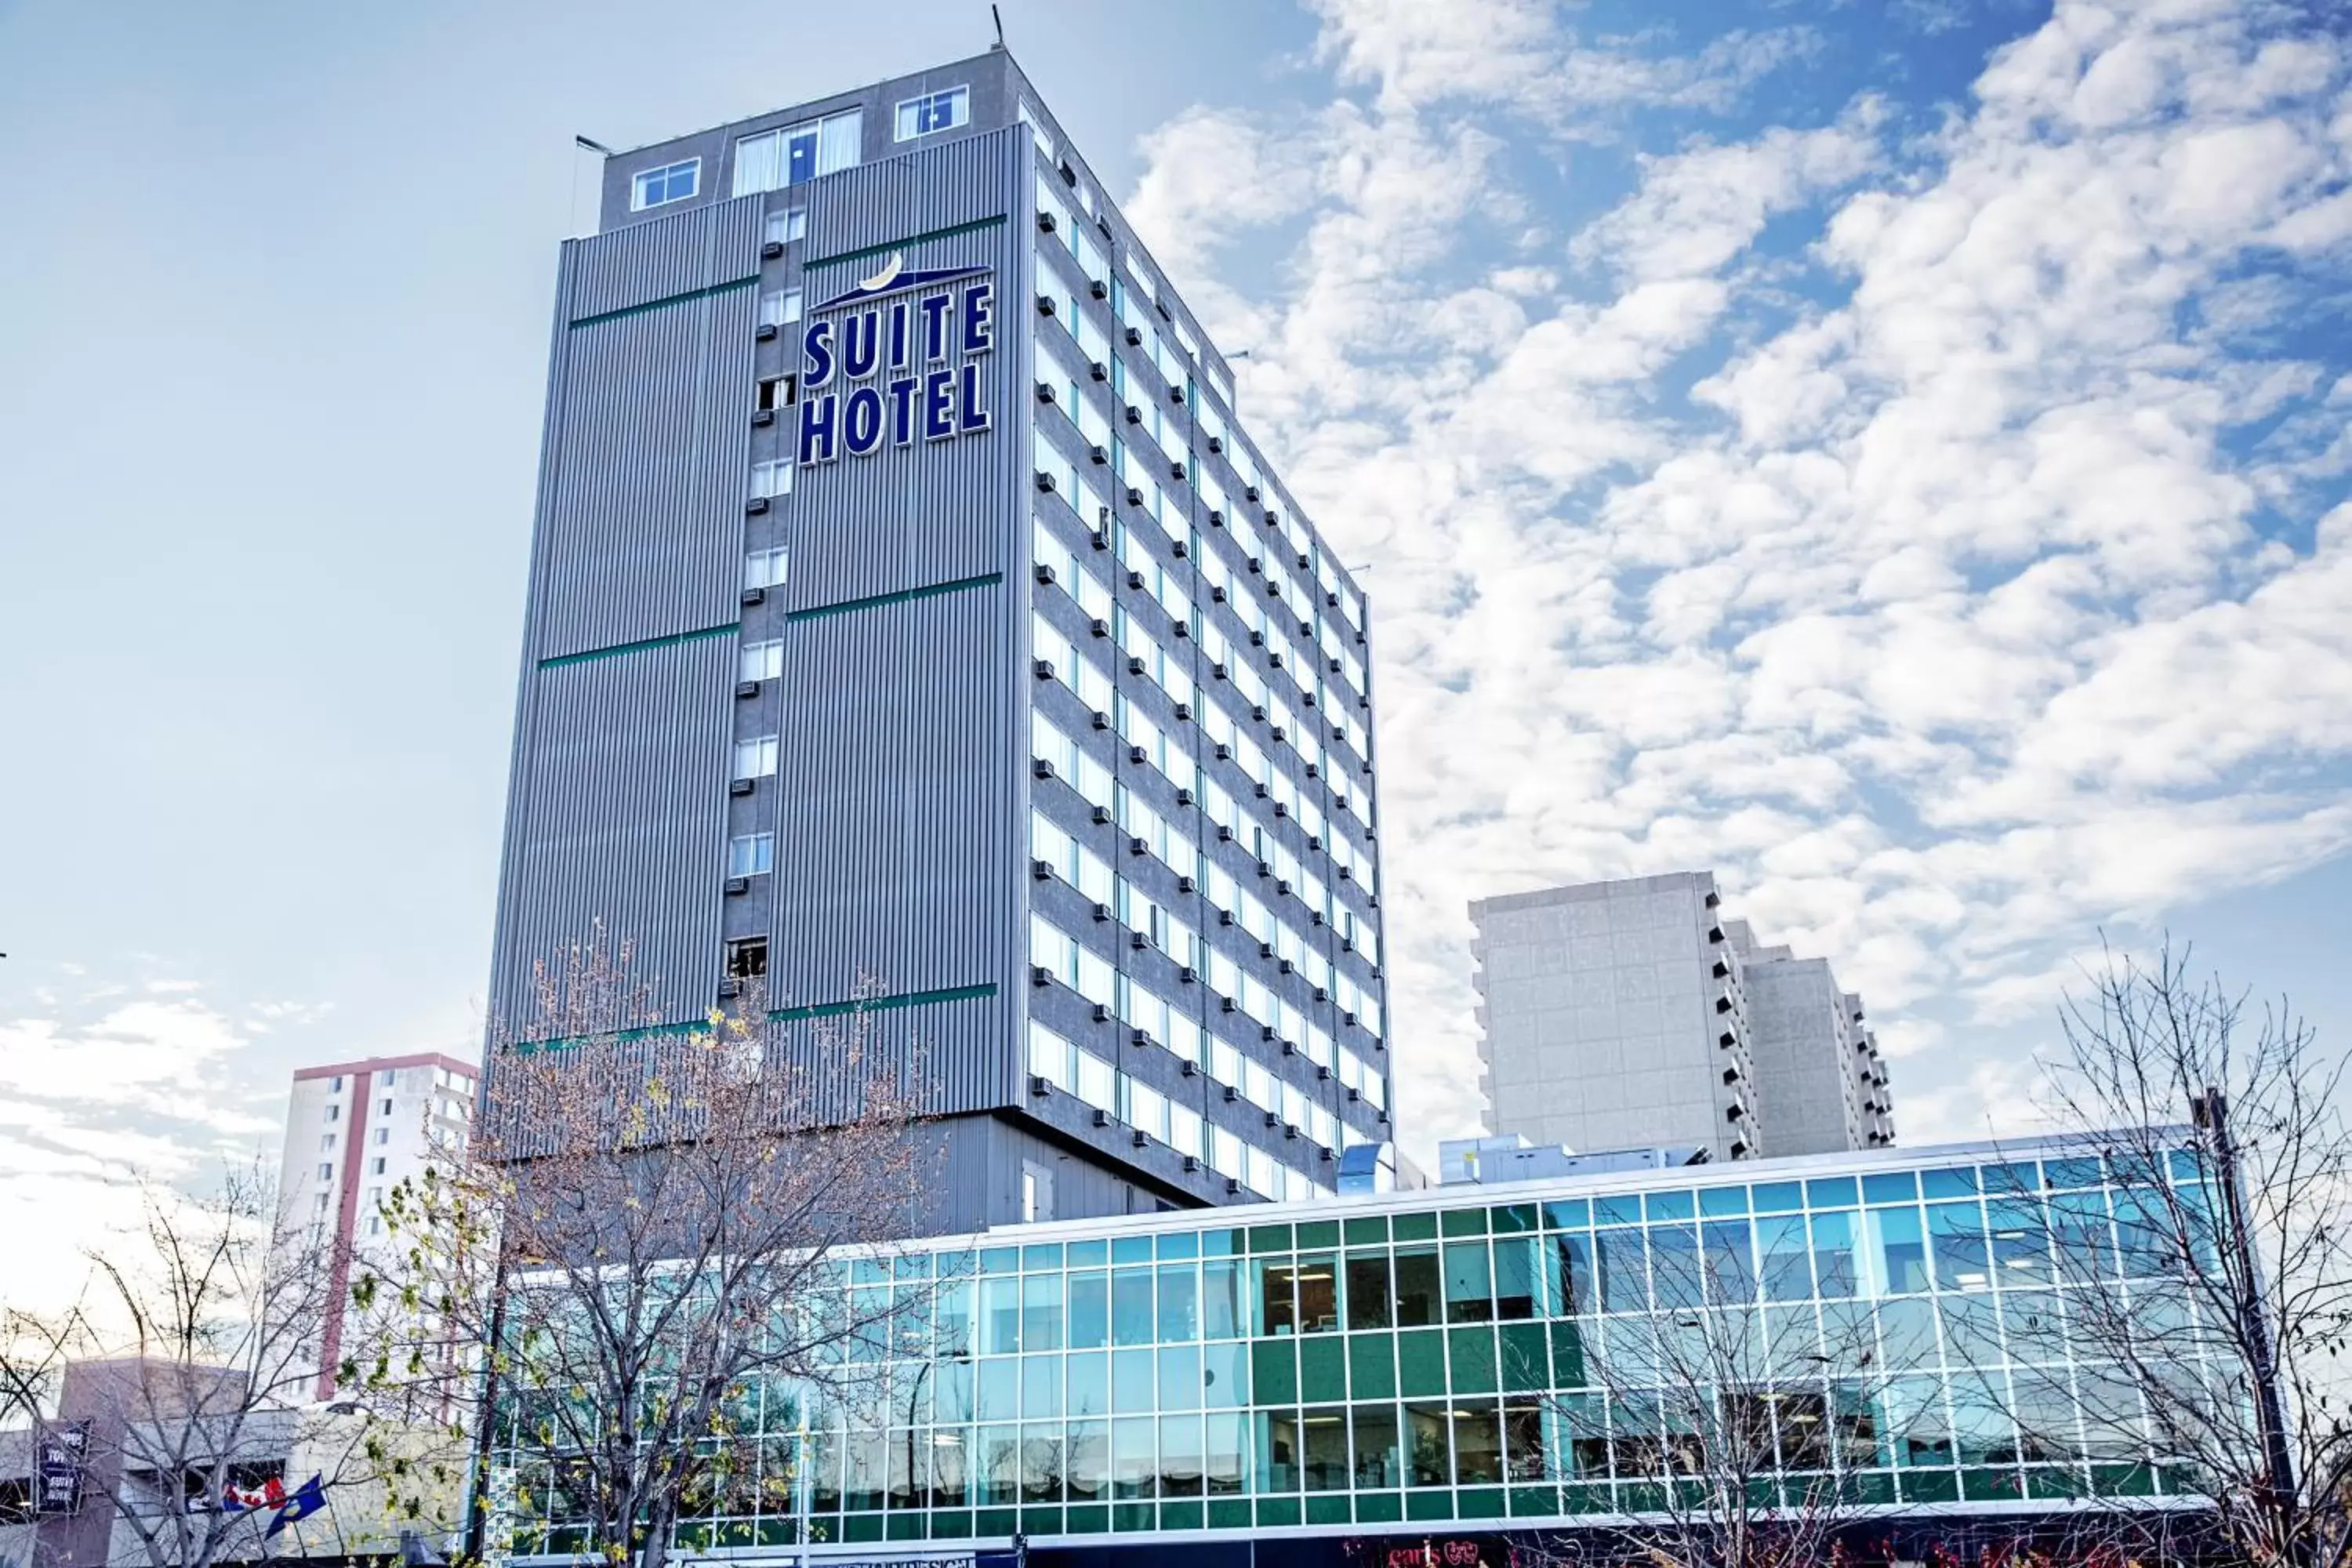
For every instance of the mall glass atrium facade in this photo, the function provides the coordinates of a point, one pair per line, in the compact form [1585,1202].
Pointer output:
[1473,1359]
[914,626]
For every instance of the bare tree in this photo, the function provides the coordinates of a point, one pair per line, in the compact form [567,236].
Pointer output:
[2209,1301]
[188,1370]
[1737,1408]
[648,1228]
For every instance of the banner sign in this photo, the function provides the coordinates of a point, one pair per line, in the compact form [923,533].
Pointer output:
[896,356]
[63,1450]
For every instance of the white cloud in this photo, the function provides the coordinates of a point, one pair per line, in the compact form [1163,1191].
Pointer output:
[1946,619]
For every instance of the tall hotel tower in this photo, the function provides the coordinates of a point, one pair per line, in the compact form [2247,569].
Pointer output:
[912,618]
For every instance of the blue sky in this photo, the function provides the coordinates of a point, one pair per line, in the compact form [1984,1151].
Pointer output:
[1892,453]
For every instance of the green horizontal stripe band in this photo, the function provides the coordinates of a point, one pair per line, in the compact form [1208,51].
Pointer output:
[882,1003]
[887,246]
[617,650]
[664,302]
[901,596]
[780,1015]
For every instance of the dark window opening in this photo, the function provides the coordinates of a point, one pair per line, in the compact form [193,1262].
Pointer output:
[747,959]
[780,391]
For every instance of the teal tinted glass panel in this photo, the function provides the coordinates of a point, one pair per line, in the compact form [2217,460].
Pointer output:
[1955,1238]
[1131,1250]
[1000,1261]
[1906,1334]
[1180,1244]
[999,1316]
[1578,1285]
[1421,1361]
[1377,1458]
[1087,1324]
[1898,1250]
[1180,1302]
[1469,1288]
[1714,1202]
[1130,1306]
[1041,1386]
[1669,1205]
[1089,1386]
[1517,1288]
[1625,1270]
[1220,1243]
[1567,1214]
[1365,1232]
[1831,1191]
[1890,1187]
[1322,1233]
[1788,1275]
[1463,1222]
[1041,1312]
[1222,1314]
[998,1389]
[2019,1229]
[1675,1275]
[1083,1253]
[1617,1211]
[1778,1197]
[1045,1255]
[1513,1218]
[1269,1238]
[1419,1286]
[1323,1369]
[1370,1304]
[1958,1183]
[2018,1178]
[1834,1271]
[1134,1381]
[2072,1173]
[1274,1371]
[1414,1226]
[1179,1378]
[1729,1260]
[1225,1375]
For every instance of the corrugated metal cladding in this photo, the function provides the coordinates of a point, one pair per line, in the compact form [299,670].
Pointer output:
[893,843]
[700,249]
[925,1050]
[620,816]
[642,523]
[955,182]
[930,512]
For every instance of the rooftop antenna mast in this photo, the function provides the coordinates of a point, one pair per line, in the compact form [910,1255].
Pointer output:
[998,17]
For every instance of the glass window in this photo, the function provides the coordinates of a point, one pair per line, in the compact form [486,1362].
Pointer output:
[1368,1290]
[762,662]
[773,478]
[1430,1459]
[756,758]
[797,154]
[1833,1264]
[1418,1288]
[766,568]
[751,854]
[1130,1307]
[933,112]
[670,183]
[1898,1249]
[1469,1288]
[1956,1235]
[780,306]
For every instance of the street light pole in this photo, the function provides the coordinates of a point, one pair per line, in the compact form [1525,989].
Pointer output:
[2210,1111]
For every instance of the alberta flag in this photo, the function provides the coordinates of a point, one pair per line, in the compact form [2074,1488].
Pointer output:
[308,1499]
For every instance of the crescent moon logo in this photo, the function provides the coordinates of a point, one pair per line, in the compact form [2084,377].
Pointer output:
[889,273]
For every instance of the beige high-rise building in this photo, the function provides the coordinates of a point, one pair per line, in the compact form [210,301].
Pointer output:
[1633,1013]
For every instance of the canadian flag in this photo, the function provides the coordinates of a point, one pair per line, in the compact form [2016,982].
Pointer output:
[237,1499]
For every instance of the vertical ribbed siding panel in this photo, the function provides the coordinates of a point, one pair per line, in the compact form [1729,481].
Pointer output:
[620,814]
[892,841]
[930,512]
[700,249]
[883,202]
[645,518]
[509,971]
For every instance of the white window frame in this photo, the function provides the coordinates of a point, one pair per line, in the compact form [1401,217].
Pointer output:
[773,478]
[756,851]
[780,306]
[767,568]
[959,107]
[763,661]
[755,757]
[836,135]
[642,177]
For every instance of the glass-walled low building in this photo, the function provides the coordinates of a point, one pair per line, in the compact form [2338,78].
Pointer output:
[1891,1324]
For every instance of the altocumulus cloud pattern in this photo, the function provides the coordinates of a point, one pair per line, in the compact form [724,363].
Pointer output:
[1922,500]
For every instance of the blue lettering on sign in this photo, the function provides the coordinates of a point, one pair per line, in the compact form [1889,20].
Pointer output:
[924,346]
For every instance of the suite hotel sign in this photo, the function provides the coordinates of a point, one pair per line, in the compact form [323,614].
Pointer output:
[895,358]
